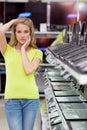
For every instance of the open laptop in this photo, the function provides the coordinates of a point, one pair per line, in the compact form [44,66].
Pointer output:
[66,93]
[78,125]
[69,106]
[75,114]
[71,99]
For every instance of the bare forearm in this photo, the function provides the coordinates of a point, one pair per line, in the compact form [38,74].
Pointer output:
[26,62]
[29,66]
[6,26]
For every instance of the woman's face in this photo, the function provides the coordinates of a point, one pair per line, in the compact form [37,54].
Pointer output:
[22,33]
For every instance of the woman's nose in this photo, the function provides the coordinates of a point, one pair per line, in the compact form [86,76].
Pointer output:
[22,34]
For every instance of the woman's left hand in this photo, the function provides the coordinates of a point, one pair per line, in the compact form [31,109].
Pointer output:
[26,44]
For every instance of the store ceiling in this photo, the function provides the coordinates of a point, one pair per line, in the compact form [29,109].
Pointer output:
[56,0]
[60,0]
[39,0]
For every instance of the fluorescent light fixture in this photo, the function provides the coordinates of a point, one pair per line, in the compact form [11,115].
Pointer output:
[25,14]
[72,16]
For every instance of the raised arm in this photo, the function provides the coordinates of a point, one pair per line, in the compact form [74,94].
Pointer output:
[3,29]
[7,25]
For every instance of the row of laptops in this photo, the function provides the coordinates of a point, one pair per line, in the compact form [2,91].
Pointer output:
[72,104]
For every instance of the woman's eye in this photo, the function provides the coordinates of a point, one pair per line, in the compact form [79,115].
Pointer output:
[18,31]
[26,31]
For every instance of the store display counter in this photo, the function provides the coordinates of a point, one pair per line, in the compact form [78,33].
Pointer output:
[39,34]
[65,105]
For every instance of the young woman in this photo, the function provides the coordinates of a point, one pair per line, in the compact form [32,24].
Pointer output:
[22,59]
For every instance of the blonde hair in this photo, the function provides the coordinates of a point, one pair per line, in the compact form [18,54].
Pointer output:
[26,21]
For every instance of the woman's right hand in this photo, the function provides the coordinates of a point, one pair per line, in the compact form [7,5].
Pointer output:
[4,28]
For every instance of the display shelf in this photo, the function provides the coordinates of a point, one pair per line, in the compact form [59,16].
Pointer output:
[80,77]
[39,34]
[72,71]
[58,110]
[2,66]
[55,110]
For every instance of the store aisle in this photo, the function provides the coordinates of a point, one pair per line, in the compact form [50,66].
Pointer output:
[3,121]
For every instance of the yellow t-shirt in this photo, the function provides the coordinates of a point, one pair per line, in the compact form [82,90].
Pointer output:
[18,83]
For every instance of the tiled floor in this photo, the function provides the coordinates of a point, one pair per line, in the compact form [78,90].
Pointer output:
[3,121]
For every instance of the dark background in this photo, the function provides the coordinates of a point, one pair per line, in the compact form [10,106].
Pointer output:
[58,14]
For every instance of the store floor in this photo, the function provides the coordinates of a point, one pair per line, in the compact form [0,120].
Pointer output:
[3,121]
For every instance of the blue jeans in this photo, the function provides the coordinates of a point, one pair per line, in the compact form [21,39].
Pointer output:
[21,113]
